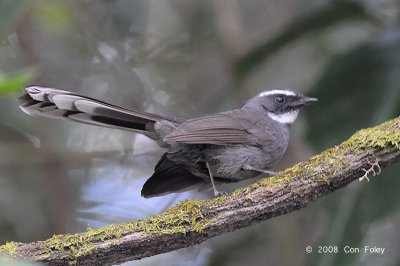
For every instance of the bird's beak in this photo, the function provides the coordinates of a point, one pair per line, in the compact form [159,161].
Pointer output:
[309,100]
[305,101]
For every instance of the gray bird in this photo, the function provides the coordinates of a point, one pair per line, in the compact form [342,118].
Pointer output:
[218,148]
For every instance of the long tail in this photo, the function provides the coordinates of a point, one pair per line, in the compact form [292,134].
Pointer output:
[59,104]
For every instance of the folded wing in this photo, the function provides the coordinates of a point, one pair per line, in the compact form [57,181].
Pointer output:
[219,129]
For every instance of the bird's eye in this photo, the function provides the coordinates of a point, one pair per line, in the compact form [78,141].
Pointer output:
[279,99]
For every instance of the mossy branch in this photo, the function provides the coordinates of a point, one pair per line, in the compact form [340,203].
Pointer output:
[192,222]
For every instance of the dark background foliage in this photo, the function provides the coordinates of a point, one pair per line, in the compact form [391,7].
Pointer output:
[186,58]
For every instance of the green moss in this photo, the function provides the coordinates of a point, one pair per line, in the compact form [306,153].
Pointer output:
[182,218]
[9,249]
[383,136]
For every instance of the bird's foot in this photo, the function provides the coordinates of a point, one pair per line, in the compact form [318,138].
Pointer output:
[265,171]
[218,193]
[268,172]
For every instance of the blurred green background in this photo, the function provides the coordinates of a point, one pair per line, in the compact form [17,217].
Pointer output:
[186,58]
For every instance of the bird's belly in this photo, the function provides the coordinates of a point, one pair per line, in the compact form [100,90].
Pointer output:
[230,161]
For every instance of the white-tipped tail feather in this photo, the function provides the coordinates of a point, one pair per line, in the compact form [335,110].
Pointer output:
[59,104]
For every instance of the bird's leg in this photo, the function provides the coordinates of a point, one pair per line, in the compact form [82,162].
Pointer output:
[265,171]
[216,192]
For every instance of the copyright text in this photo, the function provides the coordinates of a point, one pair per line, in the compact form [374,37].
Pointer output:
[347,249]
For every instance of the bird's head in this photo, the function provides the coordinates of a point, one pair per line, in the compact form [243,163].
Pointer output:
[281,105]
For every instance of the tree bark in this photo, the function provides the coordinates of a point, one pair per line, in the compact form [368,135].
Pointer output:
[192,222]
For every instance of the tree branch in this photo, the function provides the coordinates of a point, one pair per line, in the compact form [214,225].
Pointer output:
[192,222]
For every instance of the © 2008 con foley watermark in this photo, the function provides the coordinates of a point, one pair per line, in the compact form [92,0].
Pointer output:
[369,249]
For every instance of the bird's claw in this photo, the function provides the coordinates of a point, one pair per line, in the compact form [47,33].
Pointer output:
[218,193]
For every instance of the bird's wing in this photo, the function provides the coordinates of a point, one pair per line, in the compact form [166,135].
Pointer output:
[219,129]
[170,177]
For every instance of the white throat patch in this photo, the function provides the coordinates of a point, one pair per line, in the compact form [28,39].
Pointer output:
[285,118]
[277,91]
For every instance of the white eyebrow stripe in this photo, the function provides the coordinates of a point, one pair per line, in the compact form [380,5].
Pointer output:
[277,91]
